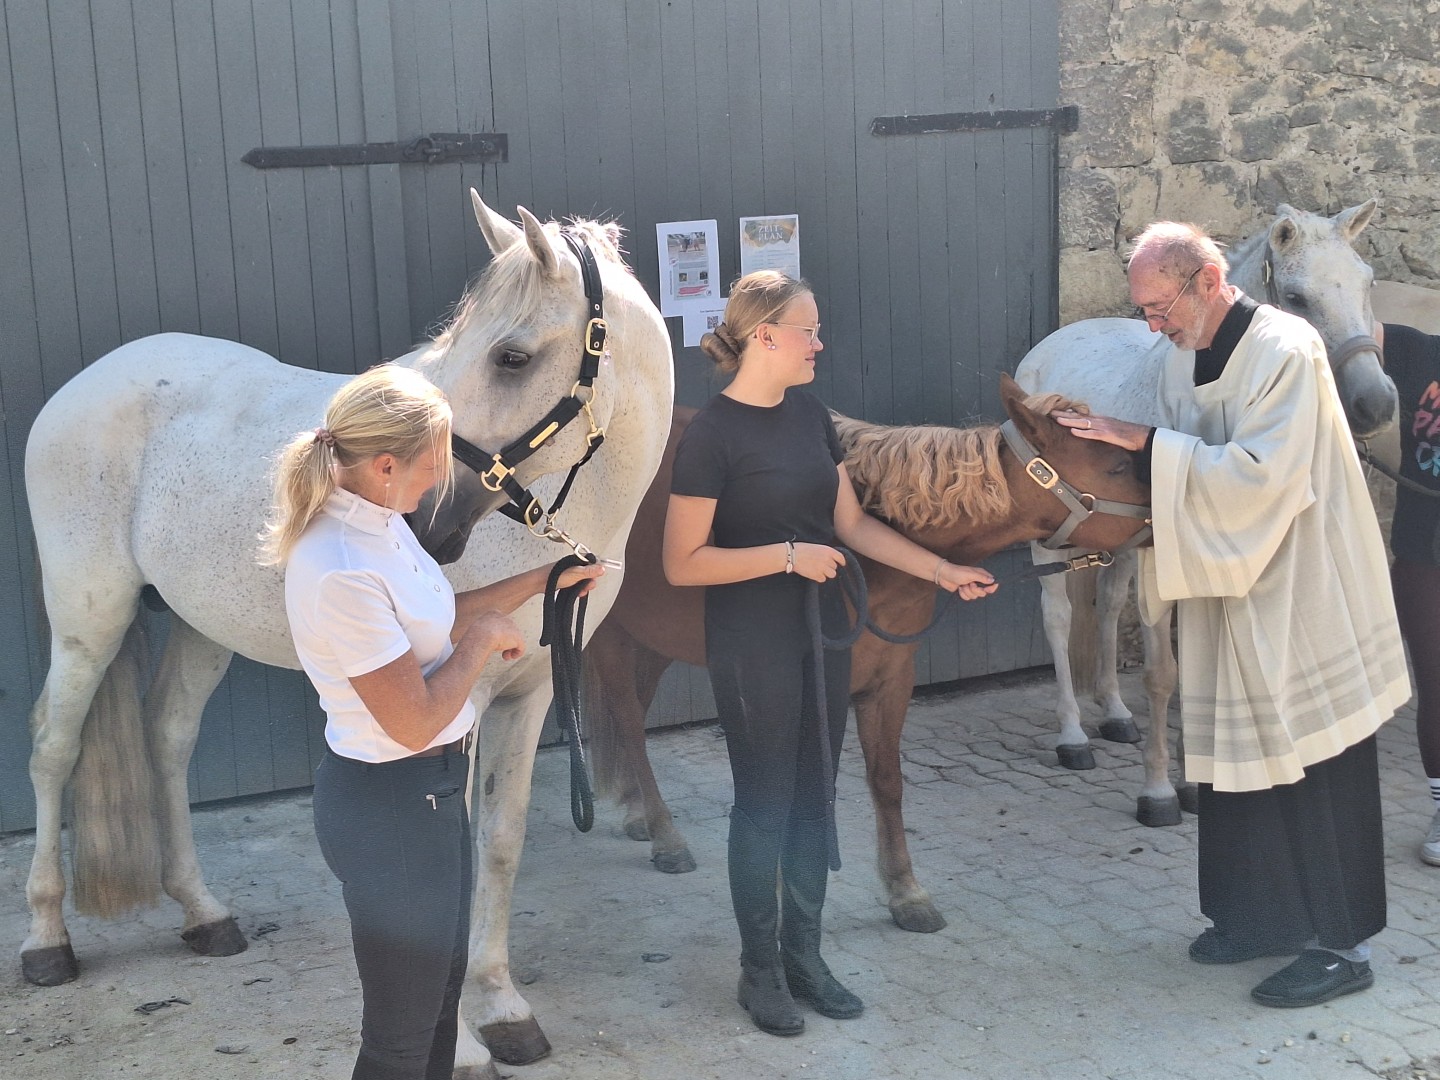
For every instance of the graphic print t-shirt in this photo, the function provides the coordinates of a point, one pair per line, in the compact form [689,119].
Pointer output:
[1412,359]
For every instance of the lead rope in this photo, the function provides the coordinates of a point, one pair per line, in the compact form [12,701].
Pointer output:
[852,580]
[563,630]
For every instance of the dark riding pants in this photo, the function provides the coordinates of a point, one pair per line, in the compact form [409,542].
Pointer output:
[397,836]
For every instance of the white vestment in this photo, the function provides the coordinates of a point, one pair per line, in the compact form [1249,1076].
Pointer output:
[1265,533]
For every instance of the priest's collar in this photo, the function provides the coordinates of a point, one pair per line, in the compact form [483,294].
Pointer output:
[1209,363]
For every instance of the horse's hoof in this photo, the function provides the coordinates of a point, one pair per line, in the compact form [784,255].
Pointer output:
[476,1072]
[1119,731]
[674,862]
[636,830]
[1189,798]
[516,1042]
[221,938]
[1157,812]
[919,917]
[50,966]
[1076,757]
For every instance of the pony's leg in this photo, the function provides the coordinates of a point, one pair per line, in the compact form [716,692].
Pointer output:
[1073,745]
[1159,803]
[190,670]
[1112,587]
[505,758]
[669,852]
[879,716]
[621,677]
[77,666]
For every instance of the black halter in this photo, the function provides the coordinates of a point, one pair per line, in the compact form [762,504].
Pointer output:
[1081,504]
[497,471]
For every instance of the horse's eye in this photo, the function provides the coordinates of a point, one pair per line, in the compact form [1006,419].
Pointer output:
[512,359]
[1119,469]
[1296,301]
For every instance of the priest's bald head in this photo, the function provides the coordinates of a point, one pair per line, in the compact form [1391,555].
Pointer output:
[1177,281]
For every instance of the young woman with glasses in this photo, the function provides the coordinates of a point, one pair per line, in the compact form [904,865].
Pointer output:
[759,499]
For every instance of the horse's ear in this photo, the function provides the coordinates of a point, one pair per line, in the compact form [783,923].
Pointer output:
[539,244]
[1031,424]
[1352,221]
[500,233]
[1284,232]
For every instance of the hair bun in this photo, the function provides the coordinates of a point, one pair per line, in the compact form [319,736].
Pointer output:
[722,348]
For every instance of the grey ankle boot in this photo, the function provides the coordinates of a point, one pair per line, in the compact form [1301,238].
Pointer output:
[804,874]
[753,856]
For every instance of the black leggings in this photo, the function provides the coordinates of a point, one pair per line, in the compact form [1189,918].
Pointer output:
[397,836]
[1417,602]
[765,695]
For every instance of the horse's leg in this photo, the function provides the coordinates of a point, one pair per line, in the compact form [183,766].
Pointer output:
[1112,588]
[1159,803]
[77,667]
[669,852]
[1073,745]
[505,758]
[190,670]
[879,717]
[621,677]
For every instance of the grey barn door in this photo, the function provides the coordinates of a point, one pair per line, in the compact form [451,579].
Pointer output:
[933,256]
[125,210]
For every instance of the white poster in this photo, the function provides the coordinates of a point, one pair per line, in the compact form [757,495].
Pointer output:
[689,254]
[699,322]
[770,243]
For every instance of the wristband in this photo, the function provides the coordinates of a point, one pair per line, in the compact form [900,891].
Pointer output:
[789,556]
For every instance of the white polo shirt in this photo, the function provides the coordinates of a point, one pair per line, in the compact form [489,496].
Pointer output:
[360,592]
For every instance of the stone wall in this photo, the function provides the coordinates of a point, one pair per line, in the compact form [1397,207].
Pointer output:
[1215,111]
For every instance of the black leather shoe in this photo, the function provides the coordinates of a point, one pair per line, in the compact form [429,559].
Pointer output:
[1214,947]
[1316,976]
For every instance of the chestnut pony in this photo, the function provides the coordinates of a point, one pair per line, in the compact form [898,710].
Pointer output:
[960,492]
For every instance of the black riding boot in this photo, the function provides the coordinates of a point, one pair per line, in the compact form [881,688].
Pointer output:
[804,873]
[754,854]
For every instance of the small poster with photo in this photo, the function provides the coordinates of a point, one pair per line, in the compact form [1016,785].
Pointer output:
[771,242]
[689,255]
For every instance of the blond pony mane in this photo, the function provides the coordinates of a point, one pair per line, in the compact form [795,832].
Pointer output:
[506,295]
[927,475]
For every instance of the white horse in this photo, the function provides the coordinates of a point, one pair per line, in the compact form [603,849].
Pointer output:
[149,470]
[1303,263]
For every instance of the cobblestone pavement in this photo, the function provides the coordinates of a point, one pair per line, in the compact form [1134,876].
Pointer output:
[1064,955]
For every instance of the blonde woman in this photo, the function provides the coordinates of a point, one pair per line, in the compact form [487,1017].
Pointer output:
[393,653]
[759,497]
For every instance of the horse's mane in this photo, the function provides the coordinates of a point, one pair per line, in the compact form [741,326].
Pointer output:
[509,290]
[926,475]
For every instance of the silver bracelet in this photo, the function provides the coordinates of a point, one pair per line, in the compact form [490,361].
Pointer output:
[936,576]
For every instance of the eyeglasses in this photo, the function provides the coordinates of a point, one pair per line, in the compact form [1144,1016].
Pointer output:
[813,331]
[1143,312]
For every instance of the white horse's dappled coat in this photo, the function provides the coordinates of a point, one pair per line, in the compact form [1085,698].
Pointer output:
[151,467]
[1114,365]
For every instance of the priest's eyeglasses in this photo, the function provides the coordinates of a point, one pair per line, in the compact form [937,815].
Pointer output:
[1143,312]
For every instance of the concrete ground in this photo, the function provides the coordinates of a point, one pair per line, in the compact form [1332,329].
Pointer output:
[1064,956]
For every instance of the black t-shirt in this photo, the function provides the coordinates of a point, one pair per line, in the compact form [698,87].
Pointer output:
[771,471]
[1412,359]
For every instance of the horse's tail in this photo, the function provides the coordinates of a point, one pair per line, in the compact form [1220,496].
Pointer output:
[1084,630]
[114,834]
